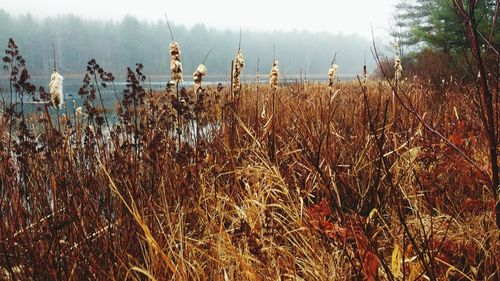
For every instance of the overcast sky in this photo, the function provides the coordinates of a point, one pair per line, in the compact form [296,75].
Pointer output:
[347,16]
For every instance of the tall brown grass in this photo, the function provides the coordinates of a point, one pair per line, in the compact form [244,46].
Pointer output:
[82,202]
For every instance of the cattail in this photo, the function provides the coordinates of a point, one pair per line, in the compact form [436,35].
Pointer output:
[273,82]
[274,75]
[201,71]
[398,68]
[239,63]
[56,89]
[364,75]
[332,75]
[79,111]
[170,87]
[175,62]
[220,87]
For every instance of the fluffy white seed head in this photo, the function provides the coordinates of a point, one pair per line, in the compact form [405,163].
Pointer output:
[239,63]
[274,75]
[395,45]
[175,50]
[80,113]
[175,62]
[201,71]
[398,68]
[332,75]
[56,89]
[170,86]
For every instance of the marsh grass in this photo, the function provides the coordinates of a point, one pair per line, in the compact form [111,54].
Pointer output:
[347,193]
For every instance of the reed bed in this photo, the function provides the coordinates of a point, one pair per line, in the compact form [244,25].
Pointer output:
[347,194]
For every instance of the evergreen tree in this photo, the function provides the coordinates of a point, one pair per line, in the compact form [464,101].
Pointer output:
[434,24]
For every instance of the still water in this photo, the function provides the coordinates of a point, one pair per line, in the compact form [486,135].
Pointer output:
[111,95]
[71,86]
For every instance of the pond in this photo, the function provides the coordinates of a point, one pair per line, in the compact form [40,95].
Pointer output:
[110,96]
[71,88]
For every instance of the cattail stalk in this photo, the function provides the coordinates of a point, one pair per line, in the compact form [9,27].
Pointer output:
[56,90]
[257,78]
[236,68]
[176,71]
[201,71]
[332,76]
[363,78]
[273,82]
[231,138]
[398,70]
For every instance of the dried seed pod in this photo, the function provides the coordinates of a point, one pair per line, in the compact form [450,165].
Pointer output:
[56,89]
[398,68]
[239,63]
[201,71]
[274,75]
[332,75]
[170,87]
[175,62]
[79,111]
[273,82]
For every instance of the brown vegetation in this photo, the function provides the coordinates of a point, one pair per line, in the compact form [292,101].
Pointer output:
[187,189]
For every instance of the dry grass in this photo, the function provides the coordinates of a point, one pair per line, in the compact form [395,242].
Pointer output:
[163,199]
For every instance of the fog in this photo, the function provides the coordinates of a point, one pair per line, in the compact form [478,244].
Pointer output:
[258,15]
[305,38]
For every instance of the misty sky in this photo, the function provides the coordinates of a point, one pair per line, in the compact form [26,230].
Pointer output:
[354,16]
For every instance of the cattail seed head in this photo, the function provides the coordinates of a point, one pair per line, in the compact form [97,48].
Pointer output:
[239,63]
[201,71]
[274,75]
[398,68]
[332,75]
[56,89]
[80,113]
[175,62]
[170,87]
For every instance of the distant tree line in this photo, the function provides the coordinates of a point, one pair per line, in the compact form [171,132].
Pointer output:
[118,44]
